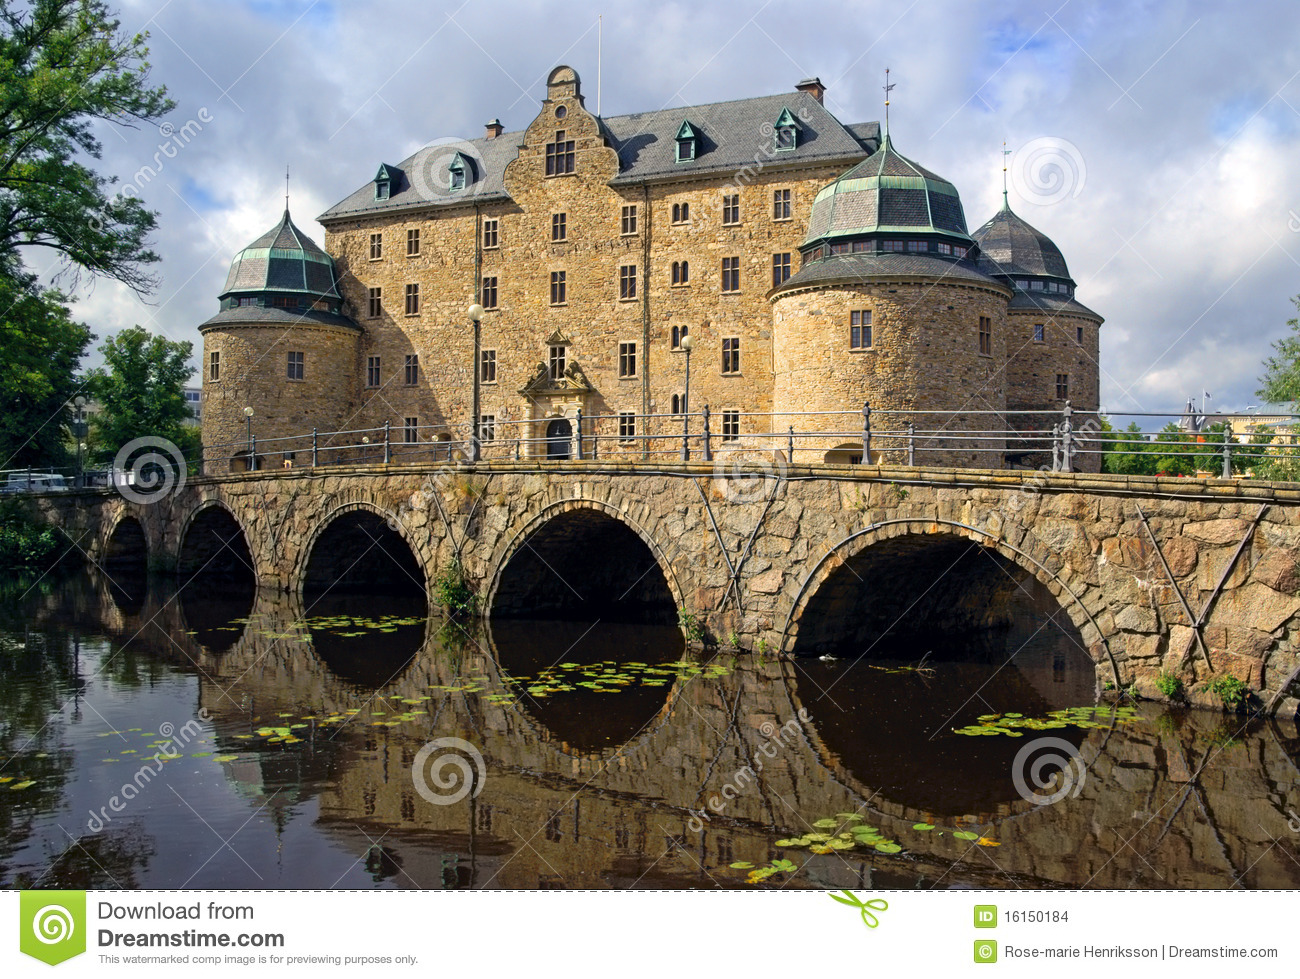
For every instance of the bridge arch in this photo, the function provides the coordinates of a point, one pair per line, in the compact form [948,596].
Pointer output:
[380,531]
[581,517]
[861,541]
[125,546]
[214,538]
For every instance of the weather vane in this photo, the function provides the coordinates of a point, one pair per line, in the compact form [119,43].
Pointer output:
[888,88]
[286,186]
[1005,153]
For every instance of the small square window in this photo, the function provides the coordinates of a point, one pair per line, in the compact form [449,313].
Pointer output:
[626,425]
[1040,332]
[412,299]
[410,430]
[781,205]
[731,209]
[376,301]
[1062,387]
[413,241]
[944,248]
[488,366]
[297,360]
[491,228]
[487,428]
[214,366]
[730,426]
[376,247]
[731,355]
[1036,285]
[629,219]
[860,329]
[627,360]
[780,268]
[891,246]
[918,246]
[489,292]
[372,372]
[412,369]
[731,274]
[627,282]
[559,290]
[559,226]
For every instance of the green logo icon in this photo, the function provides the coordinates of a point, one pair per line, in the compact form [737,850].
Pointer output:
[986,916]
[865,907]
[52,925]
[986,951]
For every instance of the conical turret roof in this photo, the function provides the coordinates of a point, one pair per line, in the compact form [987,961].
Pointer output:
[284,260]
[1010,245]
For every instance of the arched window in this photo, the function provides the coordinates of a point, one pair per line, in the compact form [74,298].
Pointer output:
[681,273]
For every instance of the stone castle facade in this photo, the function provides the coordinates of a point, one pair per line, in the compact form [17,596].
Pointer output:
[812,266]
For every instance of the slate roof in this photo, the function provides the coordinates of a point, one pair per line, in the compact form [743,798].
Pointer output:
[886,193]
[1009,245]
[284,259]
[273,316]
[1048,303]
[732,135]
[866,266]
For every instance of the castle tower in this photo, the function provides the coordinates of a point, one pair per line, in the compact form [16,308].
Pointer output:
[890,308]
[280,345]
[1053,340]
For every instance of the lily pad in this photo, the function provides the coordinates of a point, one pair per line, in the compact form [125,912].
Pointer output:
[742,865]
[923,827]
[965,834]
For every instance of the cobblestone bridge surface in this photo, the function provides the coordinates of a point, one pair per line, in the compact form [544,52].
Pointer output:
[1195,576]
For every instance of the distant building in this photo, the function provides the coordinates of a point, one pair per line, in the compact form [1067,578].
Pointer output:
[194,401]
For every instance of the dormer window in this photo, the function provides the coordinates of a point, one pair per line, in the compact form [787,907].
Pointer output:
[686,143]
[383,183]
[786,129]
[457,173]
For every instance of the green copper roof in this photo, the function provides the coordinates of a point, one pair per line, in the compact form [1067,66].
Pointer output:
[887,194]
[283,260]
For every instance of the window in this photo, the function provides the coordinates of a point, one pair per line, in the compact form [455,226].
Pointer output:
[681,273]
[780,205]
[413,241]
[487,428]
[944,248]
[558,291]
[491,228]
[376,247]
[1036,285]
[627,360]
[679,403]
[410,430]
[918,246]
[382,189]
[1062,386]
[1022,285]
[456,174]
[487,366]
[559,226]
[986,336]
[730,426]
[731,209]
[412,298]
[959,250]
[559,155]
[731,275]
[860,329]
[285,302]
[1053,287]
[627,282]
[489,292]
[376,301]
[372,372]
[841,248]
[296,363]
[1078,334]
[785,138]
[1039,332]
[731,355]
[679,334]
[626,425]
[557,358]
[248,301]
[891,246]
[214,366]
[681,213]
[412,369]
[780,267]
[629,219]
[685,143]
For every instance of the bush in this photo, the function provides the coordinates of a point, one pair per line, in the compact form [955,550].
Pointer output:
[1230,690]
[1169,684]
[452,590]
[691,625]
[24,543]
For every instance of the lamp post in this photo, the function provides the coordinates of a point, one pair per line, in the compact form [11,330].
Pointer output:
[476,315]
[248,416]
[686,402]
[79,430]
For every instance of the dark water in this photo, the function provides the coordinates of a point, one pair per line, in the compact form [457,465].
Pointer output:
[610,757]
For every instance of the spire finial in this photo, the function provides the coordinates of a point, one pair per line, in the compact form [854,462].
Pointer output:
[888,88]
[286,188]
[1005,153]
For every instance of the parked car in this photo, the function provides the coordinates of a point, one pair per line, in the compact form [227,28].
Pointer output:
[34,482]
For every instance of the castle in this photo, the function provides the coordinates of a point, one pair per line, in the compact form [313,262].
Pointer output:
[807,264]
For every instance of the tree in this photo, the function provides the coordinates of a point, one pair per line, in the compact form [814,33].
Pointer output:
[40,353]
[63,67]
[1125,456]
[1280,381]
[141,392]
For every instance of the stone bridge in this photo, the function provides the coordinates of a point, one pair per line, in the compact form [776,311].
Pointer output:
[1197,577]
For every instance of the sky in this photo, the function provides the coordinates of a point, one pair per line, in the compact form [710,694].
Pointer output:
[1155,143]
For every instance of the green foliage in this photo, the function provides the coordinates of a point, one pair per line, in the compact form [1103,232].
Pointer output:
[1229,689]
[68,71]
[1169,684]
[452,590]
[141,391]
[733,639]
[40,353]
[1170,452]
[691,625]
[25,545]
[1281,378]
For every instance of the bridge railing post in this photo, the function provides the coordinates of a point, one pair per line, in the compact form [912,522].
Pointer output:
[790,443]
[911,444]
[866,433]
[578,433]
[1227,450]
[1056,447]
[388,441]
[315,449]
[708,446]
[252,454]
[1067,441]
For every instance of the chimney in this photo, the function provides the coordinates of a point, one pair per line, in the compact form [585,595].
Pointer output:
[494,129]
[813,86]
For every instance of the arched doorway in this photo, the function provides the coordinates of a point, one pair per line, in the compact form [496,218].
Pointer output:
[559,438]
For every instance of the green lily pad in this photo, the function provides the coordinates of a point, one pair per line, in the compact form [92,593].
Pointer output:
[923,827]
[888,848]
[742,865]
[966,835]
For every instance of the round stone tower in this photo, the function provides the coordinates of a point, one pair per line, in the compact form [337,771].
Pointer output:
[889,307]
[282,346]
[1053,340]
